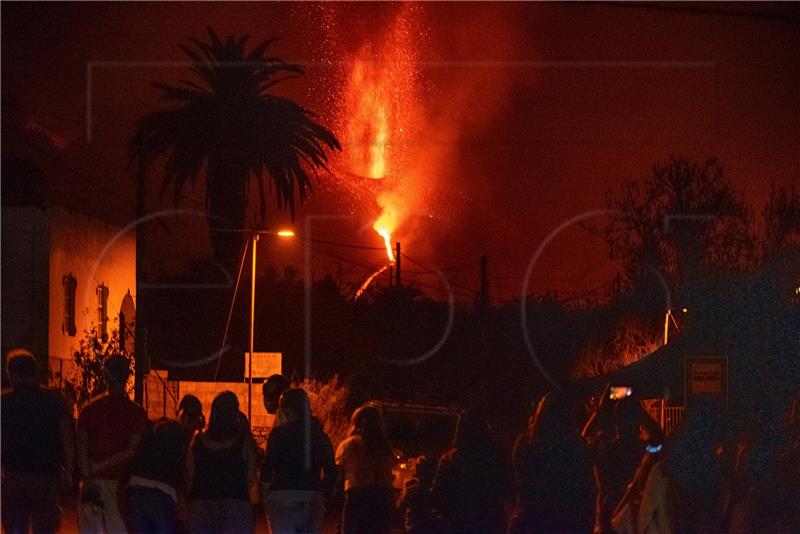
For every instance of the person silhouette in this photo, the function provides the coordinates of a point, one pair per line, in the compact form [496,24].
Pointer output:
[366,460]
[110,428]
[38,447]
[221,471]
[298,472]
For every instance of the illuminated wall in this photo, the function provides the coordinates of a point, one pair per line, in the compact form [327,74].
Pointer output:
[162,397]
[45,251]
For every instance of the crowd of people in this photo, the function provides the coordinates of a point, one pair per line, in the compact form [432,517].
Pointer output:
[618,474]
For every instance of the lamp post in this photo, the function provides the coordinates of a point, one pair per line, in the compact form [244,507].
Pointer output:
[667,317]
[255,236]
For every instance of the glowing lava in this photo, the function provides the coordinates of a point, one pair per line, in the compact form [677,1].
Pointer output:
[377,149]
[382,115]
[368,281]
[387,222]
[372,108]
[387,240]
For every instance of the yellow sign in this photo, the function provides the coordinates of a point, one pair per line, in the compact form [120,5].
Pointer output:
[265,364]
[706,377]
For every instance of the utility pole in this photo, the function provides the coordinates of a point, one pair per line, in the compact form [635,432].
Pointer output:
[140,323]
[398,282]
[484,295]
[252,331]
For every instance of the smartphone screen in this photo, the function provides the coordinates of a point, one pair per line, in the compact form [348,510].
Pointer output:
[619,392]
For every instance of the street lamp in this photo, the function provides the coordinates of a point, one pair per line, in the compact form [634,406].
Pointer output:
[280,233]
[667,316]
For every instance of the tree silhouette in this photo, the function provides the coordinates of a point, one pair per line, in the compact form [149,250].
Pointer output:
[682,219]
[781,220]
[228,123]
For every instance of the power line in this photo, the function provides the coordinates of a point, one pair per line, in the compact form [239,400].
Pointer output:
[345,245]
[351,261]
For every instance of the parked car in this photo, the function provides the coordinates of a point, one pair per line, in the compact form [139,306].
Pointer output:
[414,430]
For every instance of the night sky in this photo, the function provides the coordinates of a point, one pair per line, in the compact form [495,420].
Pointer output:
[533,111]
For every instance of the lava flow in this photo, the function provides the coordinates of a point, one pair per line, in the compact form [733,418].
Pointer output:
[369,280]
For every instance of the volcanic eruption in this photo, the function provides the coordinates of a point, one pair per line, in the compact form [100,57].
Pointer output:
[381,114]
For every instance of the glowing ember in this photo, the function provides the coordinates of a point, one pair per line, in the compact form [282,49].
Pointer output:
[377,150]
[369,100]
[368,281]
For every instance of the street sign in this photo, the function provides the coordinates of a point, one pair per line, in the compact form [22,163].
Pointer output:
[707,377]
[265,364]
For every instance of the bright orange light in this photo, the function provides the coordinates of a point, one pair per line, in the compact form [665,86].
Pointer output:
[377,150]
[286,233]
[387,240]
[382,117]
[386,223]
[367,129]
[368,281]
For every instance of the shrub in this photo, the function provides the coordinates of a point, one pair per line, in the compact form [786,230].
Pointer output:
[628,346]
[86,378]
[330,403]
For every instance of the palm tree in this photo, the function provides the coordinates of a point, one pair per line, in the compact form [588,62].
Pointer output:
[228,123]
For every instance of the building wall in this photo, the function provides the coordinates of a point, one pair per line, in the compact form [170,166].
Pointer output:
[94,253]
[25,274]
[162,397]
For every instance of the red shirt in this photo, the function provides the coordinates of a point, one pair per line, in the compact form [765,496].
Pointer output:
[109,422]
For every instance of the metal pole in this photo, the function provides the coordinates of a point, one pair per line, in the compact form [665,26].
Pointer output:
[252,330]
[140,319]
[484,298]
[398,282]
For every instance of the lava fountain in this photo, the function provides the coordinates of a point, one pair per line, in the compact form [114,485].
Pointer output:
[381,113]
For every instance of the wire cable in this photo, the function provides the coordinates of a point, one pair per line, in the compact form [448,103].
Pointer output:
[245,246]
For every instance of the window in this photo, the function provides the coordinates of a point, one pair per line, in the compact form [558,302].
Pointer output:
[70,284]
[102,312]
[123,333]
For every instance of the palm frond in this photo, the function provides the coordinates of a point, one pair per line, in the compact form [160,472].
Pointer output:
[227,122]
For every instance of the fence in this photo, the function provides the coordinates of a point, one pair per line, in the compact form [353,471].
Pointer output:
[672,416]
[667,417]
[161,396]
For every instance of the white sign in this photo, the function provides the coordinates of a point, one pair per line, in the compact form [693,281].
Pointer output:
[265,364]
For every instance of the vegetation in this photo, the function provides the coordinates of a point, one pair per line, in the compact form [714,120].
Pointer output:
[86,378]
[330,403]
[483,363]
[681,218]
[228,126]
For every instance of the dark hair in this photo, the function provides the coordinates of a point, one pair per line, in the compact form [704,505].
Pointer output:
[367,423]
[426,467]
[275,382]
[190,403]
[21,363]
[224,421]
[118,370]
[272,389]
[191,412]
[295,401]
